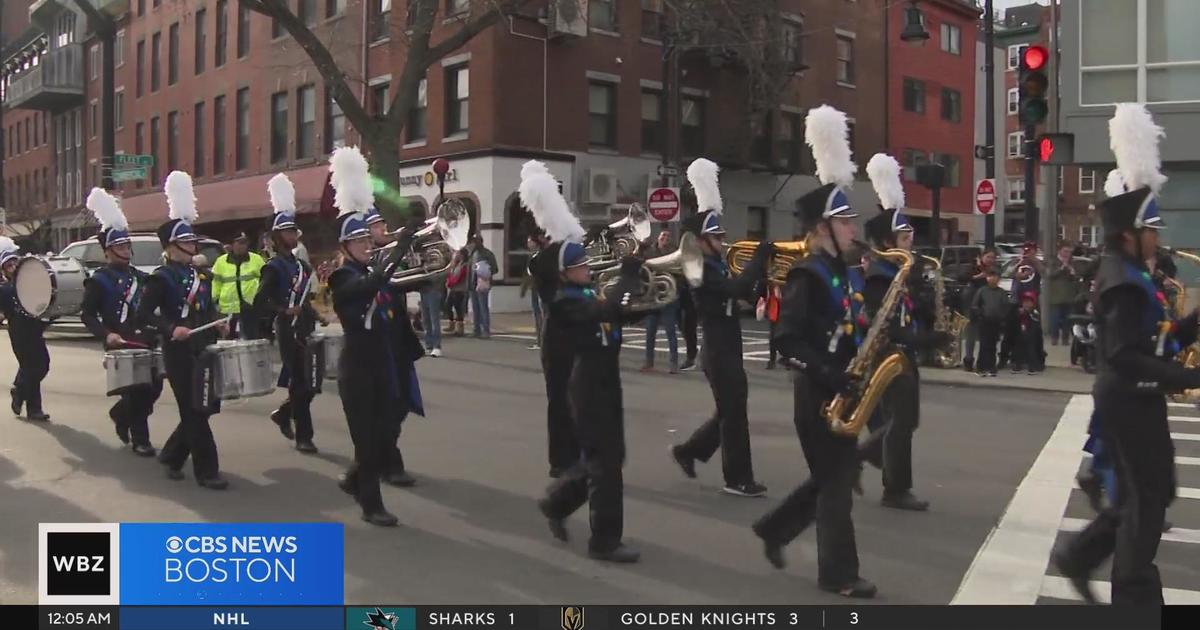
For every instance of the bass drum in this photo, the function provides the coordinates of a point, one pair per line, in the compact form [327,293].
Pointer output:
[49,288]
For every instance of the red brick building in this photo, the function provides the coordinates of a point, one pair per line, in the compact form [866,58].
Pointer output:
[931,105]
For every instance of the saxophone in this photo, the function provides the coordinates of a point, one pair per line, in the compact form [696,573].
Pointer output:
[877,363]
[948,321]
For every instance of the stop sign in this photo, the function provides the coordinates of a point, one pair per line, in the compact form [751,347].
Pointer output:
[985,196]
[663,204]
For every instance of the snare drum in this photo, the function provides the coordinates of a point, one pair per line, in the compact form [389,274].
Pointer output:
[48,288]
[333,352]
[127,369]
[242,369]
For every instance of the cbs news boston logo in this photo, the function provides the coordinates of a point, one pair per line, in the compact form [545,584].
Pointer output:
[190,563]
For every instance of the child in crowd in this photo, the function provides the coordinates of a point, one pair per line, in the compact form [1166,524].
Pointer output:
[989,307]
[1028,353]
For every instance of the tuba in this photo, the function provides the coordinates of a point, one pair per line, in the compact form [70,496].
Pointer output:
[434,245]
[659,285]
[786,255]
[948,321]
[619,239]
[1189,356]
[875,366]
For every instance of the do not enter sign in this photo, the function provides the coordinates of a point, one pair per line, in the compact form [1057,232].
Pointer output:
[985,196]
[663,204]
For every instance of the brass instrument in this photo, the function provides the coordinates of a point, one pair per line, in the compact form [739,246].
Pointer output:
[948,321]
[1189,356]
[434,245]
[618,240]
[877,363]
[786,254]
[659,286]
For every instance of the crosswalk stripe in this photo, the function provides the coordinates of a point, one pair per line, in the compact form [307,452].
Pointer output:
[1060,588]
[1178,405]
[1184,418]
[1188,493]
[1177,534]
[1187,461]
[1186,437]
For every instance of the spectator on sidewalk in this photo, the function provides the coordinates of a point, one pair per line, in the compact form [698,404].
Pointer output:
[534,243]
[1064,286]
[667,316]
[479,285]
[456,294]
[768,309]
[432,295]
[974,280]
[1028,352]
[989,308]
[235,278]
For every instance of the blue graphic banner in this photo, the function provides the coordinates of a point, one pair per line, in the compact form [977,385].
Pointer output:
[234,564]
[243,618]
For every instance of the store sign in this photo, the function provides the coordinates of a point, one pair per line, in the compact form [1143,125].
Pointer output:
[428,178]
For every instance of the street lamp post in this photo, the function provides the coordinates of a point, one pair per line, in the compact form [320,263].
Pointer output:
[989,104]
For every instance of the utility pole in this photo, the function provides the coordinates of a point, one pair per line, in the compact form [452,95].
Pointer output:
[1050,219]
[671,105]
[989,133]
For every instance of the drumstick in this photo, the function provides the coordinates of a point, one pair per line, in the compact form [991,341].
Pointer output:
[217,322]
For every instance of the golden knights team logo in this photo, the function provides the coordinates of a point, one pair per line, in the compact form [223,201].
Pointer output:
[572,618]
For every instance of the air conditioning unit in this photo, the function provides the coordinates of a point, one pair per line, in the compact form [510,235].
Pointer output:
[601,186]
[567,17]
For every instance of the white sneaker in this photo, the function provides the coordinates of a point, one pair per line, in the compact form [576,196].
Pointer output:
[437,352]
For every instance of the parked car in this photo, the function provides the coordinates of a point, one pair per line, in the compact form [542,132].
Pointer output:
[957,260]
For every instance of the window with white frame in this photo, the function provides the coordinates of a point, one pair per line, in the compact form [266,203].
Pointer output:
[951,39]
[1061,181]
[119,49]
[1160,63]
[1062,232]
[845,58]
[1016,189]
[1089,235]
[1087,180]
[602,15]
[1014,101]
[1014,55]
[94,60]
[1016,144]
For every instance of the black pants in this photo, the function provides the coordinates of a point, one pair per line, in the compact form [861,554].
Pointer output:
[133,410]
[773,350]
[557,360]
[729,426]
[1029,352]
[825,498]
[889,447]
[989,335]
[370,409]
[33,363]
[458,305]
[1135,427]
[192,437]
[1010,333]
[298,405]
[688,321]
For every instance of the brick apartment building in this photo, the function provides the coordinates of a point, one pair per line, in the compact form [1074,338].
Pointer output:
[220,93]
[931,106]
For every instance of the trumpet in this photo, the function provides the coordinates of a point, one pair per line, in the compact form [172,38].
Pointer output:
[619,239]
[659,286]
[786,254]
[434,245]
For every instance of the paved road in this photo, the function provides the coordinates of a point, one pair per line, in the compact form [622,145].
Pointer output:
[481,460]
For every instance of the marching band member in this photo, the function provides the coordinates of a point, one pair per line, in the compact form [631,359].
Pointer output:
[716,303]
[26,335]
[591,324]
[820,326]
[890,446]
[110,302]
[284,293]
[1137,339]
[374,392]
[175,301]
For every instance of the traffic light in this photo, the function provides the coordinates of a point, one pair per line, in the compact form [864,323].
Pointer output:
[1032,84]
[1056,148]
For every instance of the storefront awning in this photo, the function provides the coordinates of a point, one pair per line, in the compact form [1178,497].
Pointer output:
[20,229]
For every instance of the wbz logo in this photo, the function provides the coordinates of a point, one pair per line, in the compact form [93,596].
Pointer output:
[78,563]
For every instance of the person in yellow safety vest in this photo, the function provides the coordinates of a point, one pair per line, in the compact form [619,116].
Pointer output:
[235,283]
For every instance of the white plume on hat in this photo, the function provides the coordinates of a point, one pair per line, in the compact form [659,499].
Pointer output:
[539,193]
[1133,138]
[107,210]
[827,132]
[282,193]
[884,172]
[350,176]
[531,167]
[702,174]
[7,245]
[1114,184]
[180,198]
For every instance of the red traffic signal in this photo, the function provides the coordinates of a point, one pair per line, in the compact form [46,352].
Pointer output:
[1056,148]
[1035,57]
[1045,149]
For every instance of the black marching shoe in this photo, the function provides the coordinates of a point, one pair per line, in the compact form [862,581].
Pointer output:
[17,402]
[689,364]
[38,416]
[774,554]
[556,472]
[306,447]
[688,464]
[904,501]
[620,554]
[747,489]
[558,526]
[213,483]
[382,518]
[144,450]
[400,479]
[281,420]
[174,474]
[348,484]
[1080,577]
[969,364]
[858,589]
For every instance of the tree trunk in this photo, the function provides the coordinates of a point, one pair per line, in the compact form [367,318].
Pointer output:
[384,153]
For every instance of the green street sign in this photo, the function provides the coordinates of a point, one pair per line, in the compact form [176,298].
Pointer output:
[129,174]
[133,160]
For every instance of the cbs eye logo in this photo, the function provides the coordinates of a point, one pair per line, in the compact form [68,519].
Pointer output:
[174,544]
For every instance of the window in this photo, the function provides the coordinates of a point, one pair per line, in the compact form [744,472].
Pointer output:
[458,92]
[306,121]
[306,11]
[1016,144]
[1016,189]
[951,39]
[200,51]
[912,159]
[756,223]
[139,142]
[37,125]
[652,115]
[1161,66]
[652,19]
[141,68]
[198,140]
[1014,101]
[952,169]
[243,34]
[379,99]
[793,43]
[141,7]
[454,7]
[382,10]
[219,135]
[1062,232]
[154,151]
[222,43]
[951,105]
[279,118]
[845,59]
[914,96]
[119,49]
[172,141]
[602,115]
[415,127]
[118,111]
[1087,180]
[173,54]
[242,141]
[1089,235]
[334,7]
[64,30]
[1014,54]
[602,15]
[155,52]
[335,125]
[277,29]
[691,126]
[94,60]
[760,148]
[1061,179]
[93,121]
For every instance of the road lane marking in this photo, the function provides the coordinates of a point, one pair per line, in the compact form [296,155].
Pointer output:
[1186,437]
[1176,534]
[1184,418]
[1060,588]
[1187,461]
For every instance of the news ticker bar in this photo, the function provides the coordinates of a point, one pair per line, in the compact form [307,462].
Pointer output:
[595,617]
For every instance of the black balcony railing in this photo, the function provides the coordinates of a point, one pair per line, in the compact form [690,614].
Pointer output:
[56,82]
